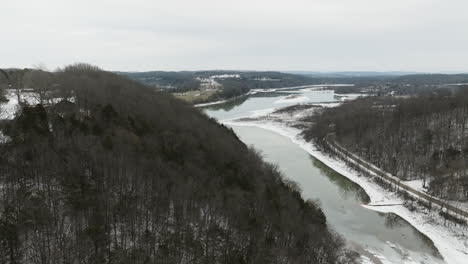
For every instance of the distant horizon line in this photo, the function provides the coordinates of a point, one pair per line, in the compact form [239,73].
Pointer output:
[302,71]
[321,72]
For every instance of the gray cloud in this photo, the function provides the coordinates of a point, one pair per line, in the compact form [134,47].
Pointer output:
[327,35]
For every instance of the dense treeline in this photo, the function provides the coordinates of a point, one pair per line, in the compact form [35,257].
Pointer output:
[251,79]
[405,79]
[432,79]
[420,137]
[230,86]
[118,173]
[183,81]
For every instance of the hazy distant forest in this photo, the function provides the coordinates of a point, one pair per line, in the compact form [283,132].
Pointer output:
[106,170]
[422,136]
[248,80]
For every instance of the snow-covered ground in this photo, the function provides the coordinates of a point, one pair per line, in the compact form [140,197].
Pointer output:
[208,83]
[211,81]
[211,103]
[225,76]
[418,185]
[4,138]
[452,242]
[9,109]
[332,104]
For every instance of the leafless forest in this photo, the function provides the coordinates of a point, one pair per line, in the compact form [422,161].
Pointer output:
[106,170]
[422,136]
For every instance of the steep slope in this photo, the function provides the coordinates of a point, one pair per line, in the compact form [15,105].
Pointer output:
[117,173]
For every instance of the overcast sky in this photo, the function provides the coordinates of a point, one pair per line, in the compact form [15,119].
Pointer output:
[316,35]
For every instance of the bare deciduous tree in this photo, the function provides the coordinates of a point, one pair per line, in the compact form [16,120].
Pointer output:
[41,82]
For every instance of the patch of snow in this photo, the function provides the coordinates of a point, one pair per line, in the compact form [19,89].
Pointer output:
[4,138]
[330,105]
[225,76]
[338,85]
[211,103]
[415,184]
[458,84]
[8,110]
[366,260]
[30,98]
[208,82]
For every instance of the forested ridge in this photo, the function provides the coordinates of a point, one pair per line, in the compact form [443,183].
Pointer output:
[106,170]
[236,83]
[185,80]
[229,83]
[422,137]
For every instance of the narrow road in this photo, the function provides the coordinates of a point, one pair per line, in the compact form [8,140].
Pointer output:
[384,175]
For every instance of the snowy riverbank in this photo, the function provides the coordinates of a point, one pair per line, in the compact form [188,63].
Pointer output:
[451,241]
